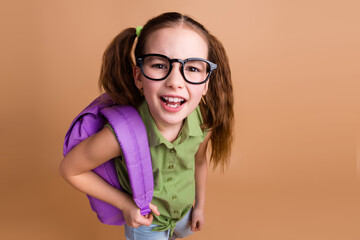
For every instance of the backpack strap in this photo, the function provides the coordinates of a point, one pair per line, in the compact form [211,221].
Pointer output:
[131,135]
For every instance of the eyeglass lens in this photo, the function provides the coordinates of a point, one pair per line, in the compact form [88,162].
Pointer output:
[157,67]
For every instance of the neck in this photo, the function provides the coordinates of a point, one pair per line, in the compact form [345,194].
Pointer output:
[170,132]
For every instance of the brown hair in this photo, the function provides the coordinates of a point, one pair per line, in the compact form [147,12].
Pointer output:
[116,78]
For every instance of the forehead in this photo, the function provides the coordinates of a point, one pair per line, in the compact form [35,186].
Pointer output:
[177,42]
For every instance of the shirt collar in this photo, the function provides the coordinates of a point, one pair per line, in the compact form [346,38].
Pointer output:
[191,127]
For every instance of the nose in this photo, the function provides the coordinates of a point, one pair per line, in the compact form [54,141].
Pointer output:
[175,78]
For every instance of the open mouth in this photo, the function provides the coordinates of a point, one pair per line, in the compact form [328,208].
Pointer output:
[173,102]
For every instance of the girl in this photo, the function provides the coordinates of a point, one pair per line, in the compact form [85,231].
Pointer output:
[180,83]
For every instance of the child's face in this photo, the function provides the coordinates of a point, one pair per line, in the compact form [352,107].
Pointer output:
[174,42]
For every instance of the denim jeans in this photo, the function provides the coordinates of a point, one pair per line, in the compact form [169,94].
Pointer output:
[182,229]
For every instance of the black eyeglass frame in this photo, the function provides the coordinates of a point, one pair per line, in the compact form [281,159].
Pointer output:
[140,61]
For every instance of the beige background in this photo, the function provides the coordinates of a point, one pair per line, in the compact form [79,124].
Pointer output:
[295,167]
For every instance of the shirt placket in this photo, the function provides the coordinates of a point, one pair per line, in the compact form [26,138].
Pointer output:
[171,179]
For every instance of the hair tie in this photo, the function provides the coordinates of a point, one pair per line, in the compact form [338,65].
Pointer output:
[138,30]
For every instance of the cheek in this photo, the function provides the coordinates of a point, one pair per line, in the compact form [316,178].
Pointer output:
[198,92]
[151,87]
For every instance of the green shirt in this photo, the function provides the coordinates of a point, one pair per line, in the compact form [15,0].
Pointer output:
[173,166]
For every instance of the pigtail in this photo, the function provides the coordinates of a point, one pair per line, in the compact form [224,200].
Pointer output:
[217,105]
[116,76]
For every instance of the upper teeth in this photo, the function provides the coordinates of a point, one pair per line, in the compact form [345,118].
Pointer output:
[173,99]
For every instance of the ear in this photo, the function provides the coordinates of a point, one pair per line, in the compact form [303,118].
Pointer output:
[205,88]
[137,77]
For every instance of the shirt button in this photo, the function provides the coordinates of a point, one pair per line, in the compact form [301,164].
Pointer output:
[169,179]
[174,197]
[176,211]
[171,166]
[172,151]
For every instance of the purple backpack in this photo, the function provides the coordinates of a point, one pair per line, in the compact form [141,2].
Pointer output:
[131,135]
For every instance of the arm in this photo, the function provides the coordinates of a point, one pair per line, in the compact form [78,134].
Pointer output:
[76,169]
[198,217]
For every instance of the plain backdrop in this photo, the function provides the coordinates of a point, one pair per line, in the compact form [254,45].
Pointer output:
[295,165]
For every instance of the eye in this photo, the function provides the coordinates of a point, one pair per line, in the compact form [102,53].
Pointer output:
[192,69]
[156,63]
[159,66]
[195,66]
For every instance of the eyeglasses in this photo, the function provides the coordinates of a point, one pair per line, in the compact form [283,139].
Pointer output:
[157,67]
